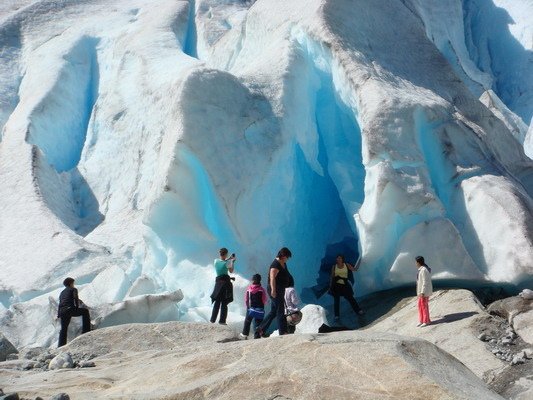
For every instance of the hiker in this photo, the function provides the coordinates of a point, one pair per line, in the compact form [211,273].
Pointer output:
[223,292]
[340,286]
[278,280]
[424,289]
[71,306]
[255,299]
[293,315]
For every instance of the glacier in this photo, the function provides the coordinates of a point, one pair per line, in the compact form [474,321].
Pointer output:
[140,136]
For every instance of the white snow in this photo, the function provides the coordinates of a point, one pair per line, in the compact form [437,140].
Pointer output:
[138,140]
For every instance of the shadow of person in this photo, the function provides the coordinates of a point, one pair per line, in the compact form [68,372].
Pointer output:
[454,317]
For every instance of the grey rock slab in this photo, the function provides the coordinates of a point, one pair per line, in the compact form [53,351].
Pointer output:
[143,337]
[10,396]
[87,364]
[523,325]
[510,307]
[32,353]
[189,364]
[61,396]
[61,361]
[6,348]
[457,319]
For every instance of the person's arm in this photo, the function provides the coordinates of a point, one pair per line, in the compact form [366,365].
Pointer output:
[350,267]
[265,297]
[230,265]
[358,262]
[273,273]
[246,298]
[76,298]
[423,282]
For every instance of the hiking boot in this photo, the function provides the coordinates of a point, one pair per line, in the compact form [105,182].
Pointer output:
[261,333]
[243,336]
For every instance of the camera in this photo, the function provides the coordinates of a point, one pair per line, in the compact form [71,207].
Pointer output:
[232,255]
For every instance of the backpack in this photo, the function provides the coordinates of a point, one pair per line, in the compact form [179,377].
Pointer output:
[255,302]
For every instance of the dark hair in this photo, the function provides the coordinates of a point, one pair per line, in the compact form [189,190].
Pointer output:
[341,256]
[223,251]
[256,279]
[284,252]
[420,260]
[68,281]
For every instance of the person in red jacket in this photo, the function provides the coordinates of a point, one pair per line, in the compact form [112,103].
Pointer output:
[255,299]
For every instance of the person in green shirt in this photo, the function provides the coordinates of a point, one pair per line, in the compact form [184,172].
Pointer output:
[223,292]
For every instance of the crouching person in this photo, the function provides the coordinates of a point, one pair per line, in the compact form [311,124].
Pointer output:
[292,309]
[69,306]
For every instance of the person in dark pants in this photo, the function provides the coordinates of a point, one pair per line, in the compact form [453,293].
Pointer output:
[341,287]
[69,306]
[223,292]
[255,299]
[278,280]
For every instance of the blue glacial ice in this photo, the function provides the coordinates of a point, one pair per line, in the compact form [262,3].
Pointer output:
[139,140]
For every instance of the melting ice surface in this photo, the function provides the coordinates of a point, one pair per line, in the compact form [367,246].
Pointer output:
[140,137]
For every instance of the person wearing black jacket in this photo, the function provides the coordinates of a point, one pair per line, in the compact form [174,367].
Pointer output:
[69,306]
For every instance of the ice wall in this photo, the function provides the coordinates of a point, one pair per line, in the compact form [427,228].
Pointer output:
[489,46]
[139,140]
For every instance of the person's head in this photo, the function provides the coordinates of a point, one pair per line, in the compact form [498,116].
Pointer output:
[294,319]
[284,253]
[340,259]
[256,279]
[223,253]
[68,282]
[420,261]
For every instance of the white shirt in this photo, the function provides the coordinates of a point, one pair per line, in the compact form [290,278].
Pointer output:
[291,301]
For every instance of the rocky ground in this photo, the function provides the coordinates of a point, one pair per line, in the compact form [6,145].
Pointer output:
[464,354]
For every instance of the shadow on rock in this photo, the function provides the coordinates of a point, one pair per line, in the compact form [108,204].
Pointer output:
[454,317]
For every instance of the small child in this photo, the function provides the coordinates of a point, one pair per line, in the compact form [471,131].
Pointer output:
[424,289]
[255,299]
[292,311]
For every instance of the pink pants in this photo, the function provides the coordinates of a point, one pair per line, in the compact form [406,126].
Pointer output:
[423,310]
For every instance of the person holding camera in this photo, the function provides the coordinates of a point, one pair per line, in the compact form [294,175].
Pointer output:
[223,292]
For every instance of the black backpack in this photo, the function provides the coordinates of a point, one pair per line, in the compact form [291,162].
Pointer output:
[255,300]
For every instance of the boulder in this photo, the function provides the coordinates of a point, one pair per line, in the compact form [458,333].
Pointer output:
[61,361]
[188,360]
[460,325]
[518,310]
[523,324]
[6,348]
[10,396]
[61,396]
